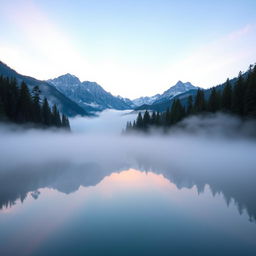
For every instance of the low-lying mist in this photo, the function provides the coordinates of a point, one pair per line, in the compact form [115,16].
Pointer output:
[201,152]
[218,125]
[200,143]
[108,122]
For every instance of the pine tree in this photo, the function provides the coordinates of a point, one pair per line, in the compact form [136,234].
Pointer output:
[37,113]
[24,105]
[56,121]
[213,102]
[12,99]
[46,113]
[146,120]
[199,105]
[128,126]
[63,121]
[250,94]
[2,111]
[177,112]
[226,99]
[238,96]
[139,121]
[153,118]
[158,119]
[67,124]
[167,116]
[190,105]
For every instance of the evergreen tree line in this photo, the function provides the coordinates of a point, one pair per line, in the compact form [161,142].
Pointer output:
[20,106]
[238,99]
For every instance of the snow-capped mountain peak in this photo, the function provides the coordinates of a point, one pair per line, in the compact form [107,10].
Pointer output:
[66,79]
[173,91]
[181,84]
[145,100]
[178,88]
[89,95]
[92,97]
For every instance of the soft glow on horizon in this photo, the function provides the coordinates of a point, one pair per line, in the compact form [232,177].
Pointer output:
[128,57]
[134,179]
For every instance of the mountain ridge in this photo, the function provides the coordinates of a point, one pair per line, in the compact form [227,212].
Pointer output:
[89,95]
[64,104]
[84,98]
[173,91]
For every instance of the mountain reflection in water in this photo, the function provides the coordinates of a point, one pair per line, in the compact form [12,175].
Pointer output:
[88,209]
[67,178]
[84,194]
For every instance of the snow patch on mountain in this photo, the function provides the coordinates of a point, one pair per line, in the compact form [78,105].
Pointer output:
[89,95]
[145,100]
[173,91]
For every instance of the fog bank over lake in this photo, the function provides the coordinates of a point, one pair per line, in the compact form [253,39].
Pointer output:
[109,121]
[100,140]
[198,179]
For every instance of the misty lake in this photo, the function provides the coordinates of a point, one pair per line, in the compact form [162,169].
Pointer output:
[97,192]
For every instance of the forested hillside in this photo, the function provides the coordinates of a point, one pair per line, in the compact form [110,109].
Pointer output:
[64,104]
[238,99]
[19,105]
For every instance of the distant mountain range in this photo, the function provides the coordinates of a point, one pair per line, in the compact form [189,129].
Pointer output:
[92,97]
[173,91]
[74,97]
[88,95]
[162,103]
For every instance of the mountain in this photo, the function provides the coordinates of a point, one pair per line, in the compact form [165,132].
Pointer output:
[145,100]
[74,97]
[89,95]
[178,88]
[164,104]
[127,101]
[64,104]
[173,91]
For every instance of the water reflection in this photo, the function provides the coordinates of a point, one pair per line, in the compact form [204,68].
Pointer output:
[131,212]
[67,178]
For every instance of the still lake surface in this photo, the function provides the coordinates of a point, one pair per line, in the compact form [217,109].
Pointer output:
[138,207]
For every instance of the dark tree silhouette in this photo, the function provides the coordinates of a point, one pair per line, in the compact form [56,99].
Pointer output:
[24,108]
[146,120]
[250,94]
[20,106]
[226,99]
[46,113]
[177,112]
[139,122]
[56,121]
[190,105]
[65,122]
[214,101]
[238,98]
[37,114]
[199,102]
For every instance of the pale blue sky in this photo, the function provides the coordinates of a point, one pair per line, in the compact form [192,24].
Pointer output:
[131,48]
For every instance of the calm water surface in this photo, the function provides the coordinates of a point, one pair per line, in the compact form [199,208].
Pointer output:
[127,212]
[100,193]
